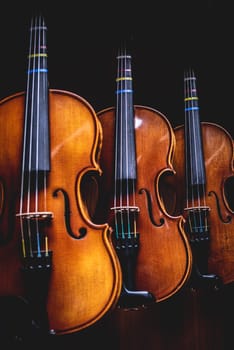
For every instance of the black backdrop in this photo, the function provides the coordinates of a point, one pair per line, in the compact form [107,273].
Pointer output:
[166,37]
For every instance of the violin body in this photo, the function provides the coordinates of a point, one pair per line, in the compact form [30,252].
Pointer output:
[84,282]
[163,262]
[218,162]
[203,165]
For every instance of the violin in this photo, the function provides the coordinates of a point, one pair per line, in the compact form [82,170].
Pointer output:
[203,164]
[51,253]
[152,246]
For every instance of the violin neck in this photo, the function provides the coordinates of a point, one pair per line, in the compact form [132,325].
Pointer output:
[195,169]
[125,154]
[36,133]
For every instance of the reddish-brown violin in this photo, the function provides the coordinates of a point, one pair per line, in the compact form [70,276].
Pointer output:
[138,144]
[203,163]
[51,253]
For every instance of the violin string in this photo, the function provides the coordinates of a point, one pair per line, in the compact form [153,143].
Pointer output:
[31,90]
[126,137]
[40,54]
[37,81]
[195,132]
[132,140]
[45,79]
[24,173]
[202,196]
[192,138]
[186,138]
[121,151]
[116,151]
[38,75]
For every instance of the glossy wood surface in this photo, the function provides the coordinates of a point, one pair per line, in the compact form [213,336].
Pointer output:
[85,280]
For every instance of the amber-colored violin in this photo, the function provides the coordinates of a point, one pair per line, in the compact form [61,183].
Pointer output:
[203,164]
[138,144]
[51,253]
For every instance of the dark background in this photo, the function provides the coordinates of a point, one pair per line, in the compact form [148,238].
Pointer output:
[166,37]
